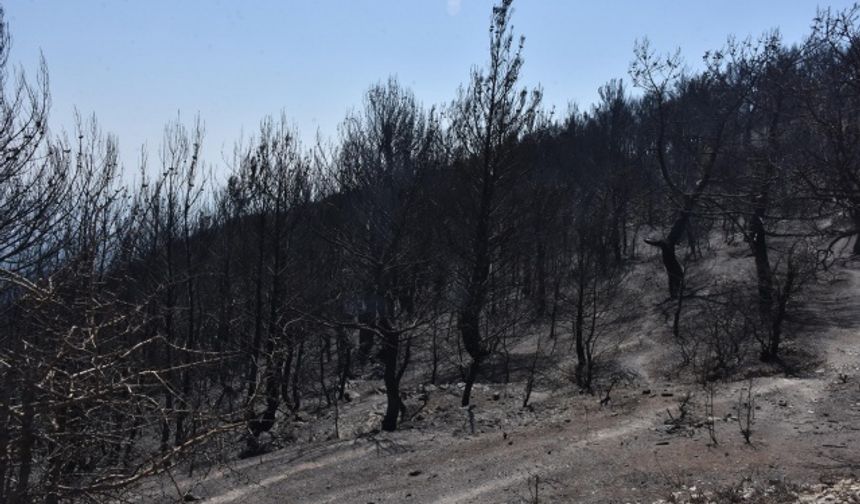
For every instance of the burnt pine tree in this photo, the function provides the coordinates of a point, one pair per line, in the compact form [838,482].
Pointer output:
[830,97]
[488,120]
[692,118]
[385,155]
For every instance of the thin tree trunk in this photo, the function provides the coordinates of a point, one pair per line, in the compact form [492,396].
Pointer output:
[390,349]
[764,275]
[540,271]
[674,270]
[254,366]
[470,380]
[782,307]
[189,339]
[5,438]
[434,366]
[55,469]
[856,249]
[272,367]
[579,325]
[469,317]
[321,363]
[297,393]
[26,443]
[344,360]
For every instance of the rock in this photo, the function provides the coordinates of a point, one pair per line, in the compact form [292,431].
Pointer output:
[646,392]
[496,396]
[415,473]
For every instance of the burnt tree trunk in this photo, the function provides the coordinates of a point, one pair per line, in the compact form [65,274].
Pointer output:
[365,336]
[5,438]
[469,325]
[254,365]
[674,270]
[26,442]
[856,214]
[469,317]
[297,393]
[273,367]
[783,298]
[764,277]
[344,360]
[390,349]
[578,325]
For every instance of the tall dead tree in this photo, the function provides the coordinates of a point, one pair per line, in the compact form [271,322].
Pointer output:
[32,206]
[692,118]
[830,94]
[386,153]
[269,190]
[488,119]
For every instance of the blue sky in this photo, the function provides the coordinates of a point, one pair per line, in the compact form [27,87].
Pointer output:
[137,64]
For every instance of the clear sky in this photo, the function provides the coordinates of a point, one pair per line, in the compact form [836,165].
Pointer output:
[137,64]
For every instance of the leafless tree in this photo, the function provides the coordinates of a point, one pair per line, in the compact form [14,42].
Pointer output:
[387,153]
[487,120]
[693,119]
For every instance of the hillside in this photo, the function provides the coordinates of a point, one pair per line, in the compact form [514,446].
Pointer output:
[567,447]
[651,297]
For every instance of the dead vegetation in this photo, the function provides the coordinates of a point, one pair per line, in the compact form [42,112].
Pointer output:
[450,305]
